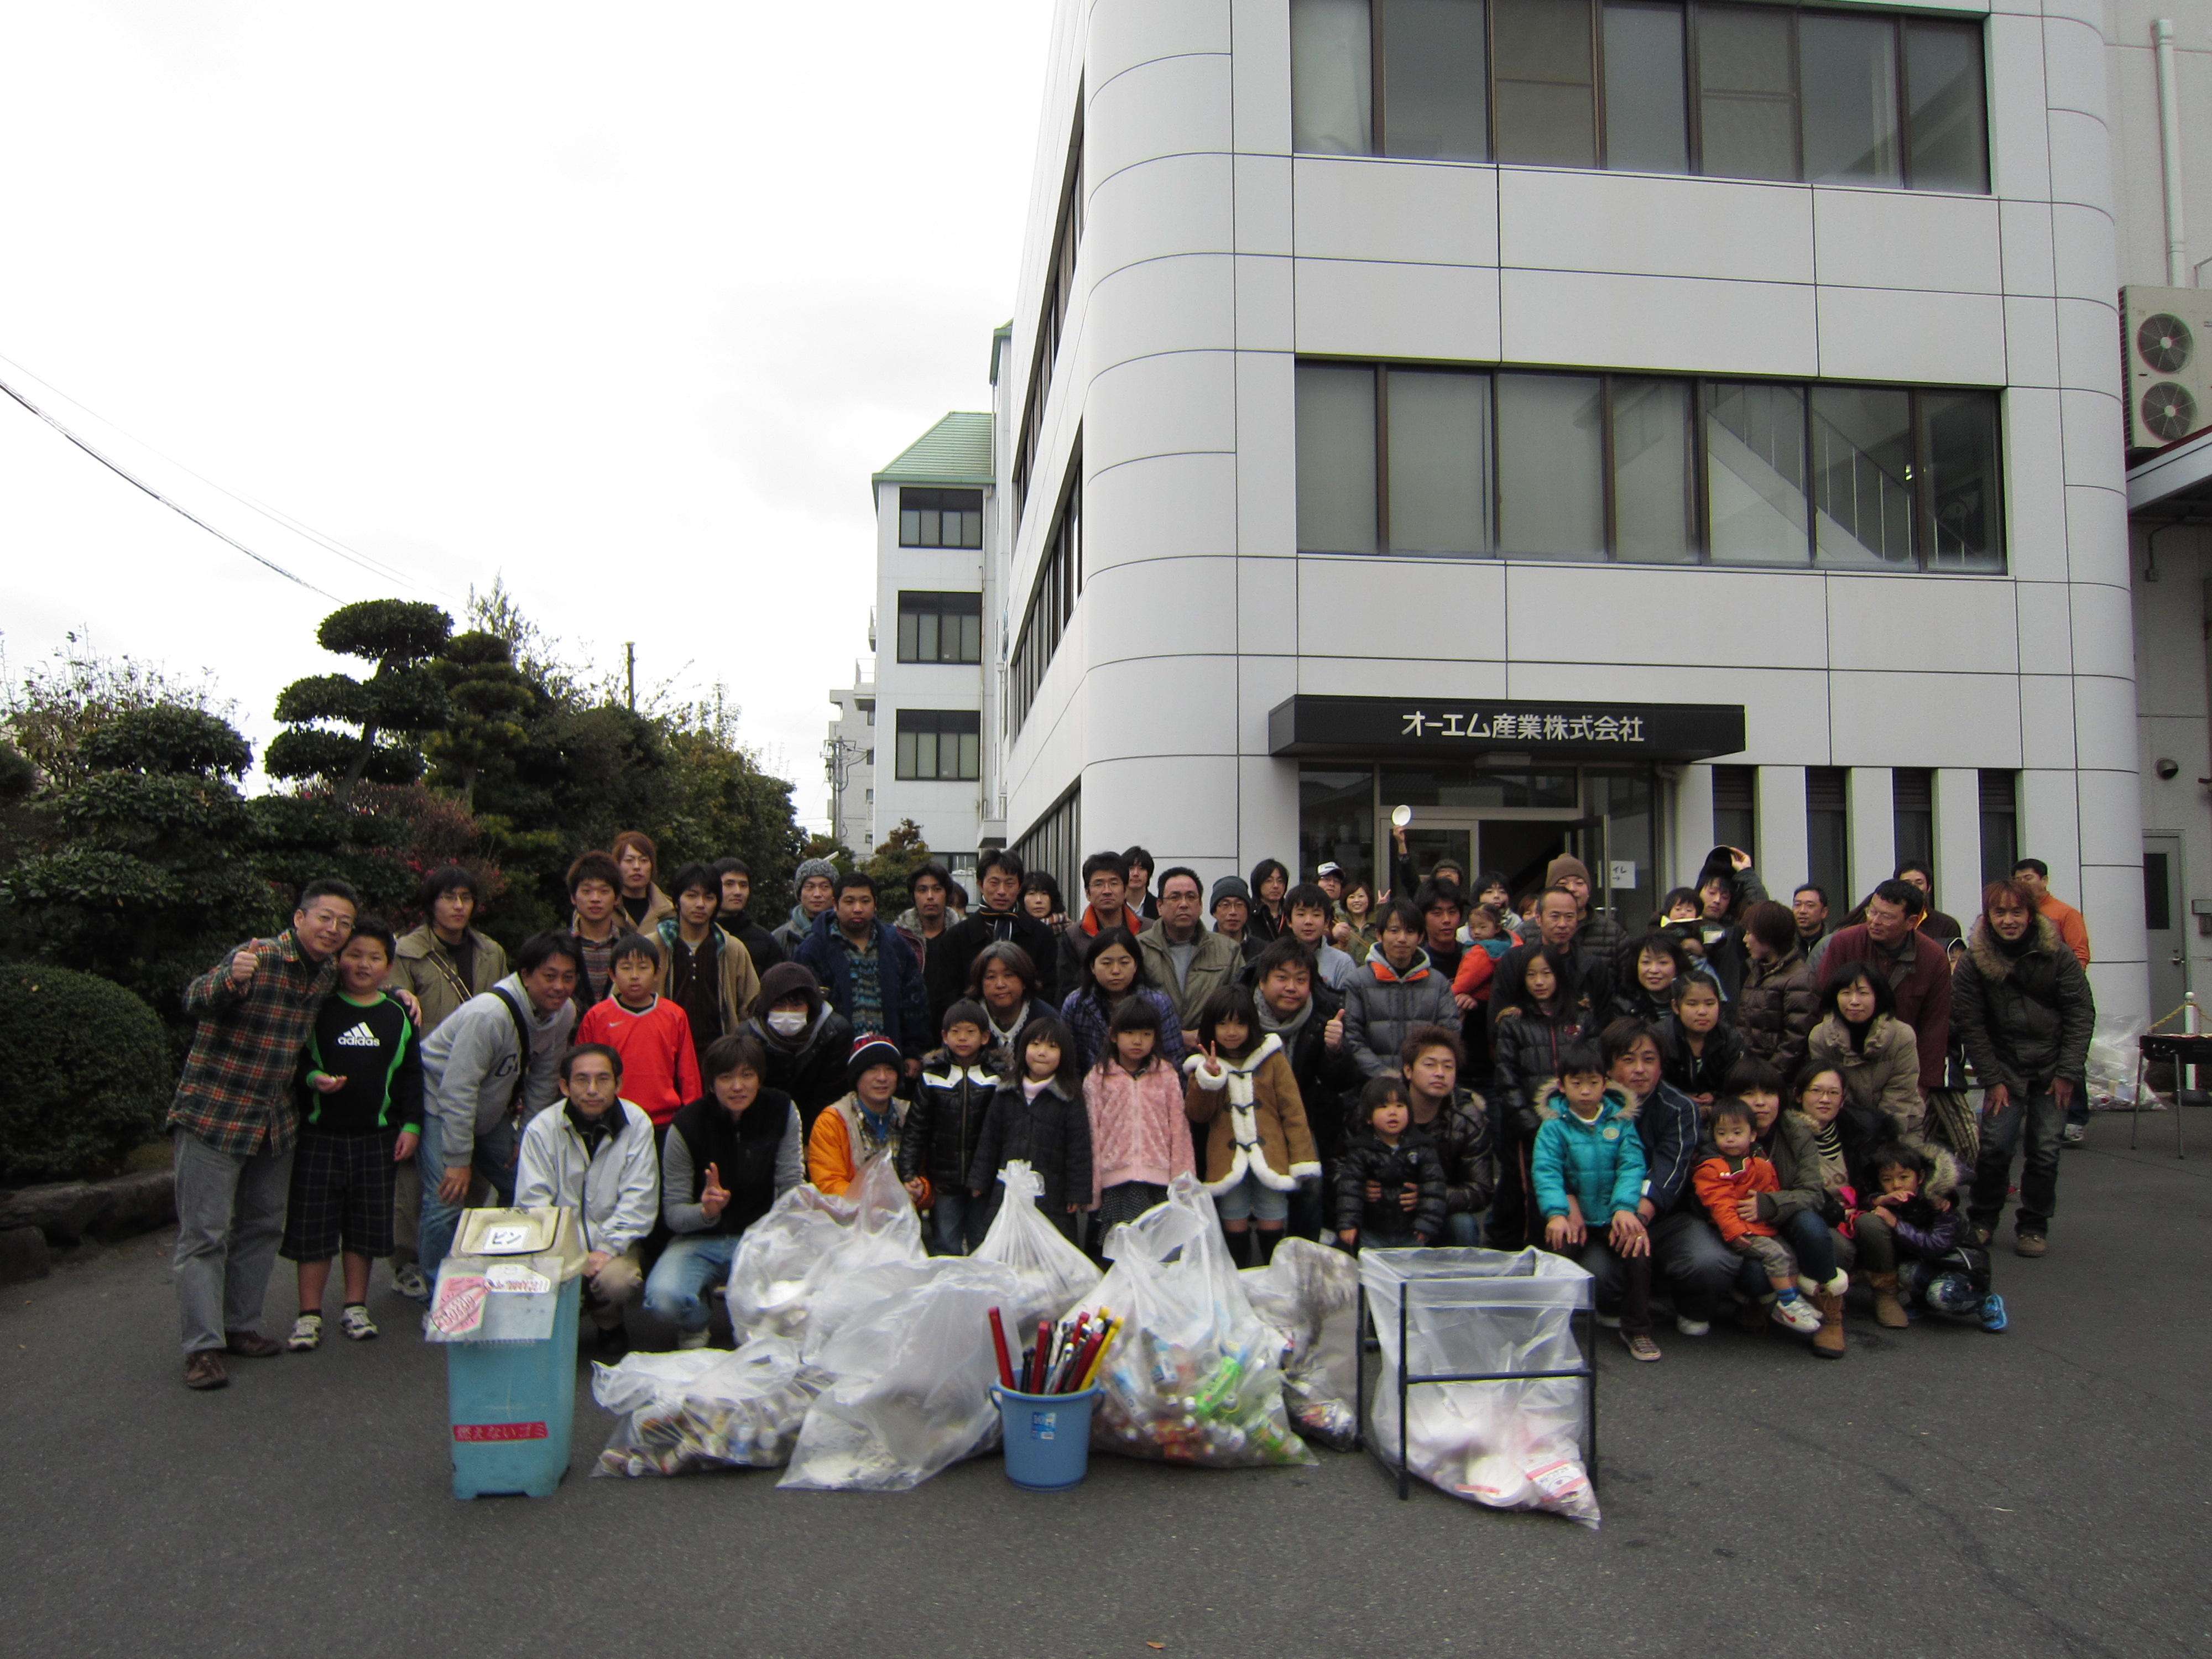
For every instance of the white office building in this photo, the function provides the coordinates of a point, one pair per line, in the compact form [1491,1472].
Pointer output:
[1620,426]
[936,507]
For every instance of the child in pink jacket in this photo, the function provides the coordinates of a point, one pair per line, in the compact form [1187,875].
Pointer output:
[1139,1139]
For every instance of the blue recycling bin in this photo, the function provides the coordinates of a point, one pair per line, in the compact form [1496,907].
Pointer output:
[513,1404]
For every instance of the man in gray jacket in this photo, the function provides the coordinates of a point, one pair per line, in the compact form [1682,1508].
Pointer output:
[594,1155]
[1185,961]
[487,1068]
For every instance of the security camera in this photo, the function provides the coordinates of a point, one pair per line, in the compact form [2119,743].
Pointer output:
[2166,771]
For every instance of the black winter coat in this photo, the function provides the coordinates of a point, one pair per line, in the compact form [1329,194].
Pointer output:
[1465,1144]
[811,1070]
[1412,1162]
[965,941]
[2024,1019]
[1051,1135]
[1524,1052]
[1324,1078]
[1697,1075]
[945,1123]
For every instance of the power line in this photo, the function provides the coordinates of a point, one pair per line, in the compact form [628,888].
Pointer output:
[373,566]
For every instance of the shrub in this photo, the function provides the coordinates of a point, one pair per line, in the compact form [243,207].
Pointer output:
[88,1075]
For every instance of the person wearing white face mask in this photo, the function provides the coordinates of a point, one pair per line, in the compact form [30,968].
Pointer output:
[805,1039]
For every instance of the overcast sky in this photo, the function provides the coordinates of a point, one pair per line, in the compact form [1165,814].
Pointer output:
[622,303]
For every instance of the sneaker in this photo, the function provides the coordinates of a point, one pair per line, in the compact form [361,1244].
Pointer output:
[1795,1313]
[1640,1346]
[408,1280]
[2030,1244]
[1611,1322]
[356,1324]
[1993,1312]
[1690,1327]
[306,1333]
[203,1369]
[686,1340]
[2072,1135]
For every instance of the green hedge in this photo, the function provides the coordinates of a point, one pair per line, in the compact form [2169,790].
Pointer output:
[85,1075]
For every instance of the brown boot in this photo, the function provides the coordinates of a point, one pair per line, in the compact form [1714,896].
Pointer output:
[1888,1311]
[1828,1340]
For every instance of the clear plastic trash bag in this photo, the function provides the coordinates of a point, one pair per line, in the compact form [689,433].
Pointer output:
[1194,1375]
[703,1408]
[810,1239]
[1509,1445]
[1309,1295]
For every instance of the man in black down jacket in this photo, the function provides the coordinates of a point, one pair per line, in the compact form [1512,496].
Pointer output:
[1456,1120]
[1308,1018]
[2023,1010]
[999,919]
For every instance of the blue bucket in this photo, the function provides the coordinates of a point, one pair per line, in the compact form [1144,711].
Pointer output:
[1048,1436]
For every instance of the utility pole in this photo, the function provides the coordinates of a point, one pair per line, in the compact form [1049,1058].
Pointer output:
[630,665]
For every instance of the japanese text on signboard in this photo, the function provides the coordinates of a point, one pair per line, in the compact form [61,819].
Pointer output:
[1503,726]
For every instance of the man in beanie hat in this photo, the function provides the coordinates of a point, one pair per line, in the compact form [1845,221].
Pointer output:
[816,881]
[1597,933]
[865,1125]
[1231,904]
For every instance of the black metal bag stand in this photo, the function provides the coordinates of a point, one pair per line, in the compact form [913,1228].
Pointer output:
[1585,1317]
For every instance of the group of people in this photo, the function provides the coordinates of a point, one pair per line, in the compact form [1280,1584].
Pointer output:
[1732,1108]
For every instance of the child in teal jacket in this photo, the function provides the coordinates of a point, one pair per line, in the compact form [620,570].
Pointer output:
[1588,1168]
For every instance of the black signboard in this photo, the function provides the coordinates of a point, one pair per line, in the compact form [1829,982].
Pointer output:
[1591,729]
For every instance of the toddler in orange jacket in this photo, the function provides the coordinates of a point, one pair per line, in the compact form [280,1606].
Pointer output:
[1729,1180]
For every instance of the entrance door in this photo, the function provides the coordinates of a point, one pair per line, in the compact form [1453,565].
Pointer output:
[1518,844]
[2165,917]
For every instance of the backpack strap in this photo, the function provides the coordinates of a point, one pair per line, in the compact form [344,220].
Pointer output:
[522,1045]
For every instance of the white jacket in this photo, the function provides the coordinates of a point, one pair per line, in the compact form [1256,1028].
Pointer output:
[619,1192]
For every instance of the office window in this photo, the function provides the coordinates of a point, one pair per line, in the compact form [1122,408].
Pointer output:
[1551,444]
[1847,67]
[940,627]
[1433,84]
[1050,844]
[1912,795]
[1051,603]
[1556,465]
[1654,481]
[1439,446]
[1546,82]
[2000,794]
[1949,146]
[940,743]
[1735,807]
[1828,829]
[1052,316]
[1336,459]
[1651,86]
[940,518]
[867,705]
[1332,80]
[1647,114]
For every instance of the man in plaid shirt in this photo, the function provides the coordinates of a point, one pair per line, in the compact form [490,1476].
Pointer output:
[235,1122]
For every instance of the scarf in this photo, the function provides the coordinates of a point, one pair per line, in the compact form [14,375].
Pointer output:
[875,1129]
[1003,1034]
[1827,1142]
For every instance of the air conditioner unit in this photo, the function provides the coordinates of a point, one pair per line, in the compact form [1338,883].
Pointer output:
[2167,333]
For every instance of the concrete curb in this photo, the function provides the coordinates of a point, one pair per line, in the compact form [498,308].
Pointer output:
[70,1211]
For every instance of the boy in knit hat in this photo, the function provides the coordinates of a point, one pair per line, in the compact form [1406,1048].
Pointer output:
[865,1125]
[816,882]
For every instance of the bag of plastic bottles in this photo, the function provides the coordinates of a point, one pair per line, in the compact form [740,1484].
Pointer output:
[1515,1445]
[703,1408]
[1192,1375]
[809,1239]
[1309,1295]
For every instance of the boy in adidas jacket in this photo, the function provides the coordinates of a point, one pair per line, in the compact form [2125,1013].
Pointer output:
[595,1156]
[360,1114]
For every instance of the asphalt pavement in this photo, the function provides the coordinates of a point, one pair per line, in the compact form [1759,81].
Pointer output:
[1939,1491]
